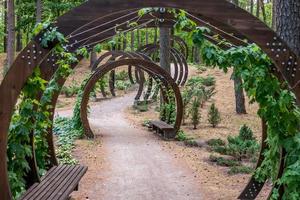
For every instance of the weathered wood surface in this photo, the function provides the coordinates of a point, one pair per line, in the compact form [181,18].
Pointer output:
[59,182]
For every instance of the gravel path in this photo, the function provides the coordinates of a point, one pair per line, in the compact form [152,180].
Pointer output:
[135,165]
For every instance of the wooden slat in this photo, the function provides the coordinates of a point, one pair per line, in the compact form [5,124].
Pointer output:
[59,189]
[35,186]
[46,182]
[57,184]
[162,125]
[71,185]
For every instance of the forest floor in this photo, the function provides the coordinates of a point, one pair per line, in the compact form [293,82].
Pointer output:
[125,159]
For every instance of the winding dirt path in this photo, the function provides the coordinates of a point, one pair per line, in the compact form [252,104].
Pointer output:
[128,163]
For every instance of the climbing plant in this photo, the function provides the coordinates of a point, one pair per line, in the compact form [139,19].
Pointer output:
[31,119]
[277,105]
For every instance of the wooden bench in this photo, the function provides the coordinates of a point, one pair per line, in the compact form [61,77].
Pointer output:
[59,182]
[165,130]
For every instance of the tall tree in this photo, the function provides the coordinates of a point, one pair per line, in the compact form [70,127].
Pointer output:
[288,22]
[240,107]
[164,43]
[5,26]
[39,11]
[274,2]
[263,10]
[257,8]
[10,33]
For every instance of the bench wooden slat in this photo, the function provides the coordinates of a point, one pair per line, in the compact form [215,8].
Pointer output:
[52,184]
[50,174]
[69,187]
[162,125]
[57,184]
[62,187]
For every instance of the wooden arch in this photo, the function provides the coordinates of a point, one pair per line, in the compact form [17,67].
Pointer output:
[221,13]
[149,67]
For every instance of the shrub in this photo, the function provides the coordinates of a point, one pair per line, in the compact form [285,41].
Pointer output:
[122,75]
[246,133]
[122,85]
[181,136]
[146,123]
[223,161]
[209,81]
[241,148]
[191,143]
[216,142]
[195,115]
[240,170]
[214,116]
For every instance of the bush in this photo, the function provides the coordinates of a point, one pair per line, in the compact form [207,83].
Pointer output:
[70,91]
[246,133]
[191,143]
[223,161]
[181,136]
[240,170]
[122,76]
[146,123]
[195,115]
[216,142]
[122,85]
[214,116]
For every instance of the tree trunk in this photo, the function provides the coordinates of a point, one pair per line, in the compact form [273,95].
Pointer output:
[124,41]
[257,8]
[288,23]
[138,38]
[5,27]
[10,33]
[19,45]
[164,52]
[39,10]
[240,107]
[155,35]
[147,37]
[262,5]
[251,6]
[196,55]
[132,41]
[93,57]
[239,96]
[274,15]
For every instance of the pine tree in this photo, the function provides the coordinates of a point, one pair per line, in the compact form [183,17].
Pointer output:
[195,112]
[214,117]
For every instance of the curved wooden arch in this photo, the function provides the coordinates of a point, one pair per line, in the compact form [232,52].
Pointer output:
[223,12]
[180,63]
[148,66]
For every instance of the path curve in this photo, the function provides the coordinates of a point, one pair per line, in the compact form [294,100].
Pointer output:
[137,168]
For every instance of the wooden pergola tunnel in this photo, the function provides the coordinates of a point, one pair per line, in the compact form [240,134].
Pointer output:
[95,21]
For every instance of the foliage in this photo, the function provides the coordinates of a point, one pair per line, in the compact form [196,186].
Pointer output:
[191,143]
[168,109]
[181,136]
[32,117]
[194,112]
[214,117]
[240,170]
[70,91]
[64,129]
[123,85]
[221,161]
[242,146]
[277,105]
[216,142]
